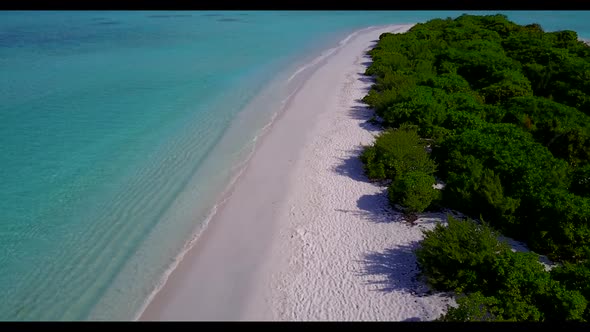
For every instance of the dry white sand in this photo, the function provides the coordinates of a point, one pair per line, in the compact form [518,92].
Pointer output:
[304,235]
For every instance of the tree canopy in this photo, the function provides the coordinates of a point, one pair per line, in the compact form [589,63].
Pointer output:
[505,109]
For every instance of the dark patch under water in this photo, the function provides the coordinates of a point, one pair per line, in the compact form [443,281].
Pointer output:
[228,20]
[212,15]
[99,18]
[107,23]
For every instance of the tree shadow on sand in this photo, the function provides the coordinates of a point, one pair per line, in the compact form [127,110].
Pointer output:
[376,208]
[395,270]
[365,114]
[351,166]
[371,207]
[366,79]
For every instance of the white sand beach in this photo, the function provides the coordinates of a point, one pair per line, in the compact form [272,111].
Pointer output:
[304,235]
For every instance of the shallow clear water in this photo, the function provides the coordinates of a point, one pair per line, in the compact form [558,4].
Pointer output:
[120,130]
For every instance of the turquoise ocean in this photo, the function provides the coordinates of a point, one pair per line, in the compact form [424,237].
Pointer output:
[121,131]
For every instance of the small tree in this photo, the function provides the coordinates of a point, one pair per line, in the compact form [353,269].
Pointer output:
[396,152]
[413,191]
[575,277]
[459,257]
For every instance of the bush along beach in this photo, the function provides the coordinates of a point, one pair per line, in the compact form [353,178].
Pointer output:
[500,113]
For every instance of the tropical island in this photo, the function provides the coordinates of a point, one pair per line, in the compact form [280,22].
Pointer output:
[498,115]
[295,166]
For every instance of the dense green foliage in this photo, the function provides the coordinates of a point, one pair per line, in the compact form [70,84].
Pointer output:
[396,152]
[575,277]
[400,155]
[467,258]
[505,109]
[473,307]
[454,257]
[413,190]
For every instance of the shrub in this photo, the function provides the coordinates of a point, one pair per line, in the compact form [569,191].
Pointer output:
[396,152]
[477,307]
[413,191]
[516,273]
[475,190]
[505,285]
[575,276]
[559,304]
[458,257]
[473,307]
[512,84]
[451,83]
[569,238]
[527,292]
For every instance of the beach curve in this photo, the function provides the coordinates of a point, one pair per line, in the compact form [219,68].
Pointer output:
[300,236]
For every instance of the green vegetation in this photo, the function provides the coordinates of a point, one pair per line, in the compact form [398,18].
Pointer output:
[575,276]
[400,155]
[395,153]
[458,257]
[413,190]
[505,110]
[496,283]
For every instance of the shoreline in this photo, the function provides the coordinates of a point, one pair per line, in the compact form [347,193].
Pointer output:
[302,71]
[246,264]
